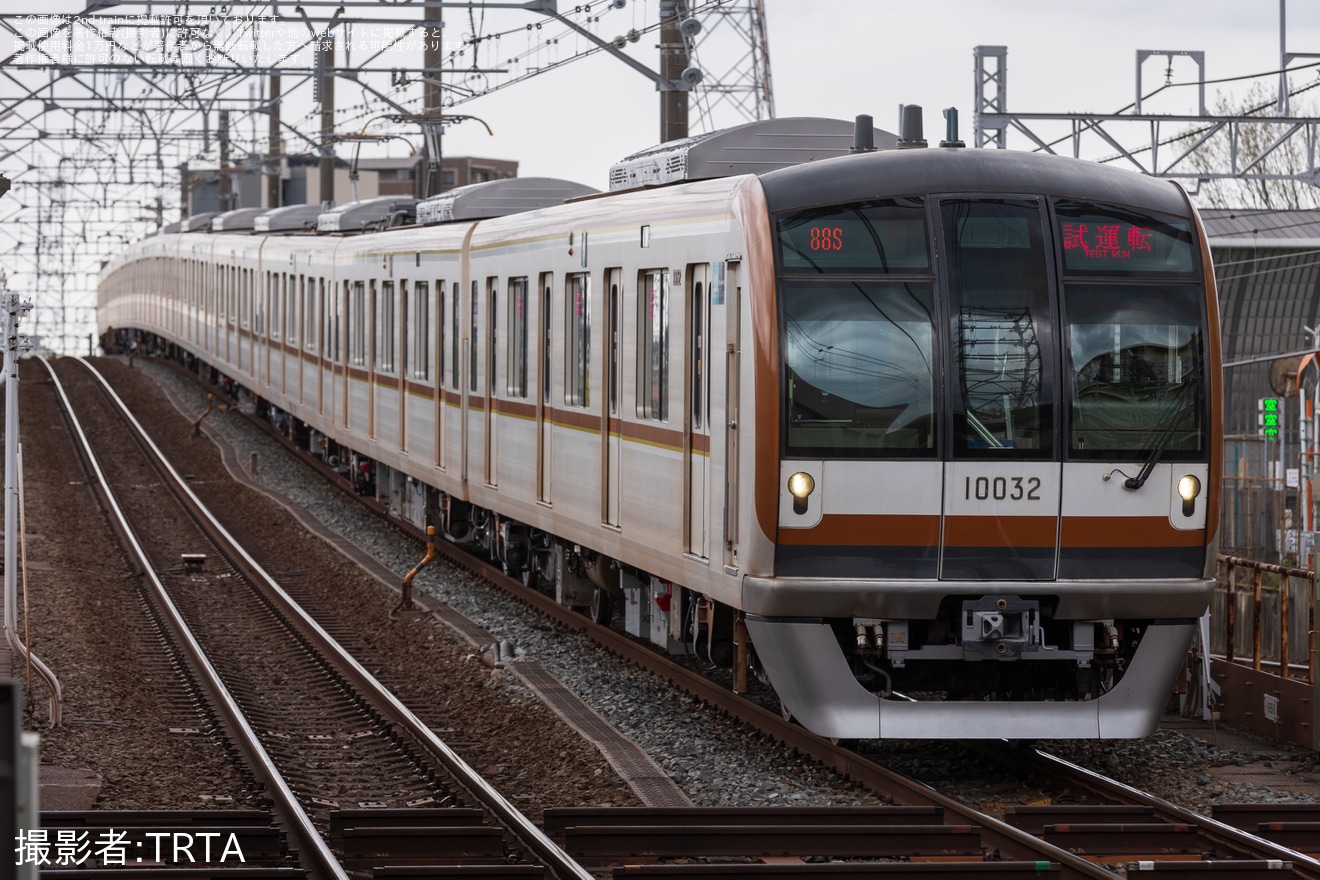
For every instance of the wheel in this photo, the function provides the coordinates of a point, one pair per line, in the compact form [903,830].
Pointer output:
[601,608]
[529,576]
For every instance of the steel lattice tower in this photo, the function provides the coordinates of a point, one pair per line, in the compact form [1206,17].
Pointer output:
[740,91]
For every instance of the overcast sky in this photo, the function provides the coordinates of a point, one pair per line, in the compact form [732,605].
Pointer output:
[839,58]
[834,58]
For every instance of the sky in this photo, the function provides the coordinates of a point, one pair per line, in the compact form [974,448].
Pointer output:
[834,58]
[839,58]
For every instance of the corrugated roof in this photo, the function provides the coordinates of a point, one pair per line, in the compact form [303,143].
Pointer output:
[1240,226]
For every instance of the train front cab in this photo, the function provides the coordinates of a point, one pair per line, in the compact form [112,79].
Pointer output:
[995,502]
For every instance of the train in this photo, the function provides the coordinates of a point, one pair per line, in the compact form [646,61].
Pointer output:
[926,437]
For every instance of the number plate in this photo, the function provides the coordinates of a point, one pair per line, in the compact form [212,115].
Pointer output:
[1007,489]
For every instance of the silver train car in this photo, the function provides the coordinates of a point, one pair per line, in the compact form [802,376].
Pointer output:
[927,438]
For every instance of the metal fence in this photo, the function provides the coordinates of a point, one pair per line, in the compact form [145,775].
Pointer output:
[1264,615]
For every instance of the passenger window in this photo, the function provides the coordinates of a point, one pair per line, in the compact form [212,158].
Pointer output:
[357,324]
[421,331]
[315,300]
[516,367]
[386,328]
[653,345]
[473,337]
[455,348]
[577,340]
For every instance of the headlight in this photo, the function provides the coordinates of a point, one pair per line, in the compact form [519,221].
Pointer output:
[801,485]
[1188,488]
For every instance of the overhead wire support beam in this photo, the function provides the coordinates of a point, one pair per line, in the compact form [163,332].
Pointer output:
[1101,125]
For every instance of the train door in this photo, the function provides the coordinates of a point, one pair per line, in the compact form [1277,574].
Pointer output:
[403,364]
[732,363]
[323,323]
[244,319]
[278,307]
[300,314]
[438,375]
[696,427]
[208,309]
[469,383]
[248,336]
[347,302]
[230,322]
[1002,479]
[544,409]
[610,424]
[492,348]
[457,349]
[371,331]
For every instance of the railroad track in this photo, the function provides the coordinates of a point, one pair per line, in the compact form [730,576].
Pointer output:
[320,733]
[1102,812]
[945,835]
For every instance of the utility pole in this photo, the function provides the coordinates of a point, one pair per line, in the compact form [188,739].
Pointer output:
[673,60]
[433,56]
[226,179]
[273,199]
[185,184]
[326,78]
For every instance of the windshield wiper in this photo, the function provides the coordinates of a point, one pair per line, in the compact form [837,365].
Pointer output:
[1158,449]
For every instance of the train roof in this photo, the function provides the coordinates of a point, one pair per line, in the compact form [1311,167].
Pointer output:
[499,198]
[751,148]
[885,174]
[290,218]
[196,223]
[238,220]
[359,216]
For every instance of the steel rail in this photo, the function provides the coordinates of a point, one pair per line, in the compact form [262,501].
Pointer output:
[1213,829]
[299,825]
[386,702]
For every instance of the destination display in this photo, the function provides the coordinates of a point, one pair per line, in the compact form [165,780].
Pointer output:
[1101,239]
[878,237]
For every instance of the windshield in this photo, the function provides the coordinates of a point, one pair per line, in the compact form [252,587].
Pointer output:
[860,379]
[1134,355]
[1042,328]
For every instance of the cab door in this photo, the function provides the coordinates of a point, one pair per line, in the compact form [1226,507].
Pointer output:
[1002,475]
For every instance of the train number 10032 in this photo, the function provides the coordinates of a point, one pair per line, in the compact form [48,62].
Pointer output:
[1002,488]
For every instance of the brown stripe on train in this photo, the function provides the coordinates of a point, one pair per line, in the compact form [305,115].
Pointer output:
[867,530]
[1124,531]
[905,530]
